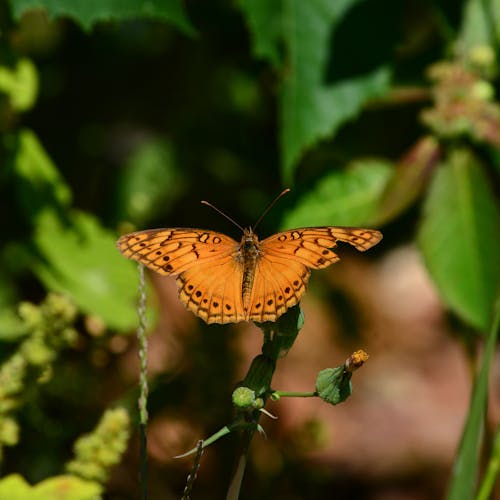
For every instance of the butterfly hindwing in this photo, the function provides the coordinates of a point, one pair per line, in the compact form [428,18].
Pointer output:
[213,291]
[279,284]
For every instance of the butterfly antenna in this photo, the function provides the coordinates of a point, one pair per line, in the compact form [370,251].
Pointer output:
[223,214]
[285,191]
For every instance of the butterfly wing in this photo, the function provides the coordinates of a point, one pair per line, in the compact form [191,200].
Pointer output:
[206,264]
[282,272]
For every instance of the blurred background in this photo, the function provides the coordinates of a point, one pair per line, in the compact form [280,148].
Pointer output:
[120,118]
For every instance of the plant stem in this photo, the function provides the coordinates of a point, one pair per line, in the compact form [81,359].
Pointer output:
[294,394]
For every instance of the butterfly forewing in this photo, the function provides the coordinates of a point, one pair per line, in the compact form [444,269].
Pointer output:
[311,245]
[173,251]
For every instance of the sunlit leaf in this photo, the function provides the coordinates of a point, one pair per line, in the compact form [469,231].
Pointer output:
[80,259]
[20,84]
[342,198]
[38,181]
[460,238]
[89,12]
[15,487]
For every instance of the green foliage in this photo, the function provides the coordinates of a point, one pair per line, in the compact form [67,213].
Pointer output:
[350,197]
[48,329]
[311,109]
[97,452]
[381,119]
[20,84]
[333,385]
[467,462]
[460,237]
[15,487]
[88,13]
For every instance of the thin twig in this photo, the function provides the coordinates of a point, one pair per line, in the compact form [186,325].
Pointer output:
[143,379]
[186,495]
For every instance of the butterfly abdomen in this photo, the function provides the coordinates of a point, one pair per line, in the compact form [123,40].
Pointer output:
[250,253]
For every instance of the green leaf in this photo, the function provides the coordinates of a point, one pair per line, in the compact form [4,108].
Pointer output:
[80,259]
[312,110]
[89,12]
[480,24]
[409,180]
[460,238]
[343,198]
[265,21]
[467,462]
[38,181]
[20,84]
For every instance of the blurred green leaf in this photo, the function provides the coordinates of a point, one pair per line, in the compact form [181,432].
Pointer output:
[409,180]
[467,462]
[265,22]
[480,24]
[89,12]
[310,109]
[151,182]
[460,238]
[343,198]
[20,84]
[15,487]
[38,181]
[81,260]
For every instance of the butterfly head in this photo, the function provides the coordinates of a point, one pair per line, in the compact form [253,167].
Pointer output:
[249,241]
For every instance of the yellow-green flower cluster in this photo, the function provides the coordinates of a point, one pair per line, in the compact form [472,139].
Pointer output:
[97,452]
[48,329]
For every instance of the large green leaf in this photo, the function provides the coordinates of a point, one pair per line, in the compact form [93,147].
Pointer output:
[89,12]
[467,462]
[80,259]
[310,109]
[460,238]
[345,197]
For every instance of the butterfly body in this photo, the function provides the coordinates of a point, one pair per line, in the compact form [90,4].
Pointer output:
[248,254]
[223,281]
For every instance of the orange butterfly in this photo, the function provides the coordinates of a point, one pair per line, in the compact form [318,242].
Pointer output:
[223,281]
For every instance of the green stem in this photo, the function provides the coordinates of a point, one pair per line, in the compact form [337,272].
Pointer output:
[294,394]
[278,339]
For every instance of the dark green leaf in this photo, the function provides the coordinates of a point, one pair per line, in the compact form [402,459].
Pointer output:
[460,238]
[311,109]
[265,20]
[89,12]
